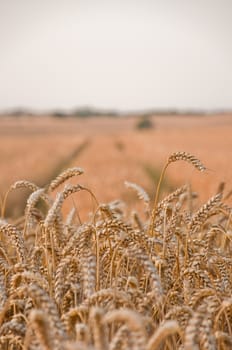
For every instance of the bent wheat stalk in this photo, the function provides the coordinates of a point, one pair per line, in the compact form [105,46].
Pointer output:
[172,158]
[166,329]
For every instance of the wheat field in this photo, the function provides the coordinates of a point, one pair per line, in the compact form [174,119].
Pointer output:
[112,150]
[148,279]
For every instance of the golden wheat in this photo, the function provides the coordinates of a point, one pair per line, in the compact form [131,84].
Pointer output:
[118,281]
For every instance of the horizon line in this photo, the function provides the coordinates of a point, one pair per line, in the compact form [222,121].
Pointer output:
[88,109]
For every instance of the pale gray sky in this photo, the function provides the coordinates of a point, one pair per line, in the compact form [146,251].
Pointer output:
[126,54]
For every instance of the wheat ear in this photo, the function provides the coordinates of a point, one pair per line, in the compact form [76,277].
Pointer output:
[64,176]
[141,193]
[18,184]
[42,329]
[172,158]
[98,329]
[164,330]
[134,322]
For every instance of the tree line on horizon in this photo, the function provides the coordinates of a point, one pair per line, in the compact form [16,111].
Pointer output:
[86,112]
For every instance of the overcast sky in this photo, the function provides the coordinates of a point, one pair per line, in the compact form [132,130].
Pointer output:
[126,54]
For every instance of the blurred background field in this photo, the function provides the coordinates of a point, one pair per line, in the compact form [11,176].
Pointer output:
[111,151]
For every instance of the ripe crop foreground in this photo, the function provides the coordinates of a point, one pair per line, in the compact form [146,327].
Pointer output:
[160,279]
